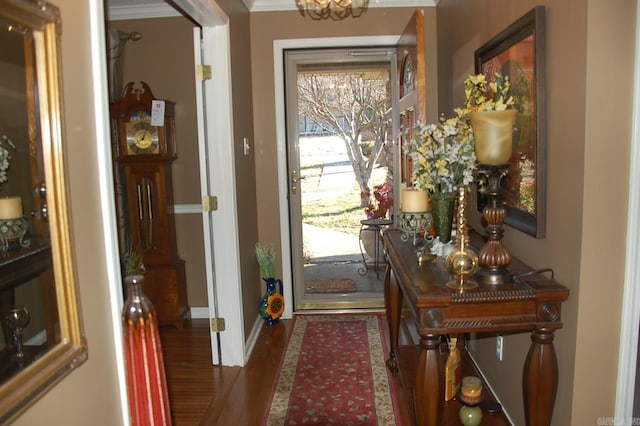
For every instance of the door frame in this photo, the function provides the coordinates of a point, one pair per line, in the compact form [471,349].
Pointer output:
[630,318]
[220,226]
[279,46]
[223,269]
[349,58]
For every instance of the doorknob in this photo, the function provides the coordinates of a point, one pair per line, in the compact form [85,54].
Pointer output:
[294,181]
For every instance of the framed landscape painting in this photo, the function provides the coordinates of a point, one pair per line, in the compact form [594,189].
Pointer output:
[518,52]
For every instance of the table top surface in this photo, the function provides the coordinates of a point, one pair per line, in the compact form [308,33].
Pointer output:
[528,300]
[21,263]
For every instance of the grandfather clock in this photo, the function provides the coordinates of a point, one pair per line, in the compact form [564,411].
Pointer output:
[144,148]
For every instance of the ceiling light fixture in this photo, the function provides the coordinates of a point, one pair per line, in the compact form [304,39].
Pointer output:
[334,9]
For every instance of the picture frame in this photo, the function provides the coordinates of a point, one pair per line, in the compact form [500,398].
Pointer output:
[519,52]
[44,338]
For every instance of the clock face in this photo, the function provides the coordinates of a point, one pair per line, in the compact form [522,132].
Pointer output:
[142,137]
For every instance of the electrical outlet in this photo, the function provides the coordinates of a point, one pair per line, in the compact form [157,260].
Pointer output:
[499,342]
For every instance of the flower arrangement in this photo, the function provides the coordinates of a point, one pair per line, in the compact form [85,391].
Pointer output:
[383,194]
[5,157]
[483,95]
[443,155]
[266,255]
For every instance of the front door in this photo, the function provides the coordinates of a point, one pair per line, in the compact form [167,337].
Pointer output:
[337,150]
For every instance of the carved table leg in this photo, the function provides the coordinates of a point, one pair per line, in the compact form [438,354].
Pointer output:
[540,379]
[429,385]
[393,302]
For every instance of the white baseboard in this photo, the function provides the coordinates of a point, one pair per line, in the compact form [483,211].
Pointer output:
[488,384]
[253,336]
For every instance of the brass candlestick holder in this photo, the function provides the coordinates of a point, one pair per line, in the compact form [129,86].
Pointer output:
[462,262]
[13,233]
[493,256]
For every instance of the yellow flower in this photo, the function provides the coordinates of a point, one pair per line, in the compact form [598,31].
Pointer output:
[443,154]
[481,95]
[275,305]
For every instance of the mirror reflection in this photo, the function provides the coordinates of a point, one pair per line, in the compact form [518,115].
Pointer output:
[28,307]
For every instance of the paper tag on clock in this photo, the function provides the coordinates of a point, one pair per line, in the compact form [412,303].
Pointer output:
[157,112]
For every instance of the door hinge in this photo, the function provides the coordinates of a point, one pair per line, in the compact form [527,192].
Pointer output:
[217,324]
[209,203]
[203,72]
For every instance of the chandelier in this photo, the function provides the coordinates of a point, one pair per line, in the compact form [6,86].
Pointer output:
[334,9]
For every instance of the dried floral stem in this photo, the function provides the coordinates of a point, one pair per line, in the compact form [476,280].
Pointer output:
[266,255]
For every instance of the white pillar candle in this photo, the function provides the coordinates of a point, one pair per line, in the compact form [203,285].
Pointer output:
[413,201]
[10,207]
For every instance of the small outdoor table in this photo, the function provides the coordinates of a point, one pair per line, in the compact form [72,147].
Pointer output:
[375,226]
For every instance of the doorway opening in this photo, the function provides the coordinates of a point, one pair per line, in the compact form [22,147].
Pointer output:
[341,173]
[207,32]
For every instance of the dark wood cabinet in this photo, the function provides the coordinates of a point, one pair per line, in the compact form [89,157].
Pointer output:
[144,153]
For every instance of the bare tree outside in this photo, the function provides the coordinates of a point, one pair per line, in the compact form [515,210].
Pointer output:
[354,106]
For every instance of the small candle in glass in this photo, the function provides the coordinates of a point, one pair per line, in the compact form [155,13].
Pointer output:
[471,389]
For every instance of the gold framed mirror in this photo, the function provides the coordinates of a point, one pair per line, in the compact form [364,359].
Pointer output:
[42,339]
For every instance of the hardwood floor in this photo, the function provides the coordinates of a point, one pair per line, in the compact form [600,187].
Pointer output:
[204,394]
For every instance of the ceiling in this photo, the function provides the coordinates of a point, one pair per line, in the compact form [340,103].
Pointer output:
[139,9]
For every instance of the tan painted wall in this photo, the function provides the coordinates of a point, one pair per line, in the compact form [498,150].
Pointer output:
[88,395]
[608,130]
[267,27]
[587,174]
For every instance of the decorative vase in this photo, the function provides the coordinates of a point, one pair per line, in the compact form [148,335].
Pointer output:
[442,206]
[272,304]
[146,380]
[493,134]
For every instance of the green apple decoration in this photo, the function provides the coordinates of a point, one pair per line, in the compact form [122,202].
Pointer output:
[470,416]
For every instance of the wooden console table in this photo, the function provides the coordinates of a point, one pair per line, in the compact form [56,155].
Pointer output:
[531,304]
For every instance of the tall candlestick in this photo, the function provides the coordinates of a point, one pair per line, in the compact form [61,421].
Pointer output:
[10,207]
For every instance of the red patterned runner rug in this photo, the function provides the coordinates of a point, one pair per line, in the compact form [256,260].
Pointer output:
[333,372]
